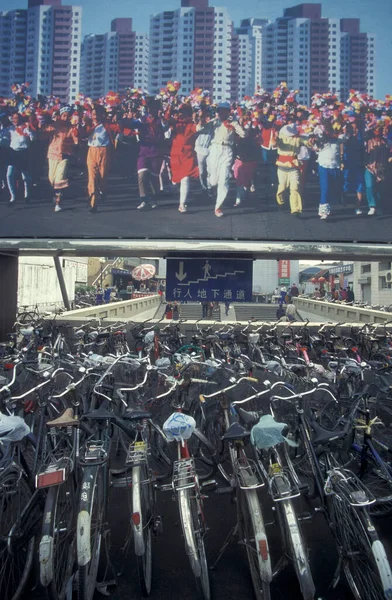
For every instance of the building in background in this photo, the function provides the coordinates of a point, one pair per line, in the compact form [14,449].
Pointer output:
[114,60]
[13,28]
[249,56]
[41,45]
[141,61]
[270,274]
[373,282]
[194,45]
[315,55]
[38,284]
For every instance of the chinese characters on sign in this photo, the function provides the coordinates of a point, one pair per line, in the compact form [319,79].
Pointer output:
[284,272]
[205,280]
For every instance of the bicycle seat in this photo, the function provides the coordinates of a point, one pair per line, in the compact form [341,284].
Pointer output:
[322,435]
[133,414]
[248,417]
[236,432]
[67,419]
[101,414]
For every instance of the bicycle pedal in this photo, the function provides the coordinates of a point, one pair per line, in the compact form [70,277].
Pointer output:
[304,517]
[157,527]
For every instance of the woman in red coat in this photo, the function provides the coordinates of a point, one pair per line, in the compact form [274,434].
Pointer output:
[183,159]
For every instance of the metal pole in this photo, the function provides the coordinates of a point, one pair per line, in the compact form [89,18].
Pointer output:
[60,278]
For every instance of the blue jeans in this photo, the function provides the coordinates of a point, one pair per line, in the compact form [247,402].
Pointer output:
[372,190]
[11,181]
[330,185]
[268,158]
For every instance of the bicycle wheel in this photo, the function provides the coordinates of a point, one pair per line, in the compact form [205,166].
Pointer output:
[364,560]
[142,523]
[252,534]
[193,530]
[89,530]
[15,566]
[57,546]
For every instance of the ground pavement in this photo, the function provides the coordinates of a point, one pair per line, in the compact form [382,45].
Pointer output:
[258,218]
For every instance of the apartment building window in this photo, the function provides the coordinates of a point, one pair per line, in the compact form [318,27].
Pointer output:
[365,269]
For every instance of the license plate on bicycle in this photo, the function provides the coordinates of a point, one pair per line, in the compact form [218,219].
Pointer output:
[137,454]
[50,477]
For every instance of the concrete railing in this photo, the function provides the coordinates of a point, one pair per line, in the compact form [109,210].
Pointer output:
[128,310]
[340,313]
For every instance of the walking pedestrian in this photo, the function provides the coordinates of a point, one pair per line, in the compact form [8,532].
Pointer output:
[100,144]
[330,158]
[151,130]
[63,138]
[202,145]
[354,163]
[220,159]
[183,158]
[376,160]
[288,145]
[245,163]
[21,136]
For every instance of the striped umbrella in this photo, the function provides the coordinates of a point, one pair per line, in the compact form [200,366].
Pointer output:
[143,272]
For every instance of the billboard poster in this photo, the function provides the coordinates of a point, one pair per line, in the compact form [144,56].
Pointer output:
[170,158]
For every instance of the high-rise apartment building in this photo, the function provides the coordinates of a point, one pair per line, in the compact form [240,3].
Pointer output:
[193,45]
[43,44]
[114,60]
[13,26]
[314,54]
[249,55]
[141,61]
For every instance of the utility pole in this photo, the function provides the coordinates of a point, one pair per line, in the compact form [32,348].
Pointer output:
[60,278]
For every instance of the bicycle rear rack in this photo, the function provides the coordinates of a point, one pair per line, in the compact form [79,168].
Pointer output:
[184,474]
[281,484]
[249,475]
[345,483]
[95,453]
[137,454]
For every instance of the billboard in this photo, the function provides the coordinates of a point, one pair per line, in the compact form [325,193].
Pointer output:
[183,210]
[182,163]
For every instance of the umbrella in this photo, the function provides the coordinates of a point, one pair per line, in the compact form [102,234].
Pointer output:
[143,272]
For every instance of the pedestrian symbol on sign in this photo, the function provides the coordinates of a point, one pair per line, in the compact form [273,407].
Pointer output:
[207,269]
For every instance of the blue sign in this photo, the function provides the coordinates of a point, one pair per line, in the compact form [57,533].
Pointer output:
[212,280]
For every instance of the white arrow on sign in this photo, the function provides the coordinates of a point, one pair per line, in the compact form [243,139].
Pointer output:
[181,275]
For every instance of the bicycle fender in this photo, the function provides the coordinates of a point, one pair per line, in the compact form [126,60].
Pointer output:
[45,560]
[187,528]
[384,568]
[83,538]
[137,518]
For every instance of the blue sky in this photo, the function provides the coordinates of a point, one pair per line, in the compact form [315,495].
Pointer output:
[376,17]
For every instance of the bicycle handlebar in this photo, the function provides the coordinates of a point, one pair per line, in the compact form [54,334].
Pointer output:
[226,389]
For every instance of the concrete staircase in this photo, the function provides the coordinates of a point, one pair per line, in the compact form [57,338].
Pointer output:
[193,312]
[261,312]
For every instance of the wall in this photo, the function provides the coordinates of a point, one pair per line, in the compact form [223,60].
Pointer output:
[265,275]
[38,285]
[328,311]
[118,311]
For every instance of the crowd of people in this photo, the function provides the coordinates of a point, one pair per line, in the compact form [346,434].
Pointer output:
[348,144]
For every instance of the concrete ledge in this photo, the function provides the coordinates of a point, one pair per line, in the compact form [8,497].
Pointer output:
[329,311]
[115,311]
